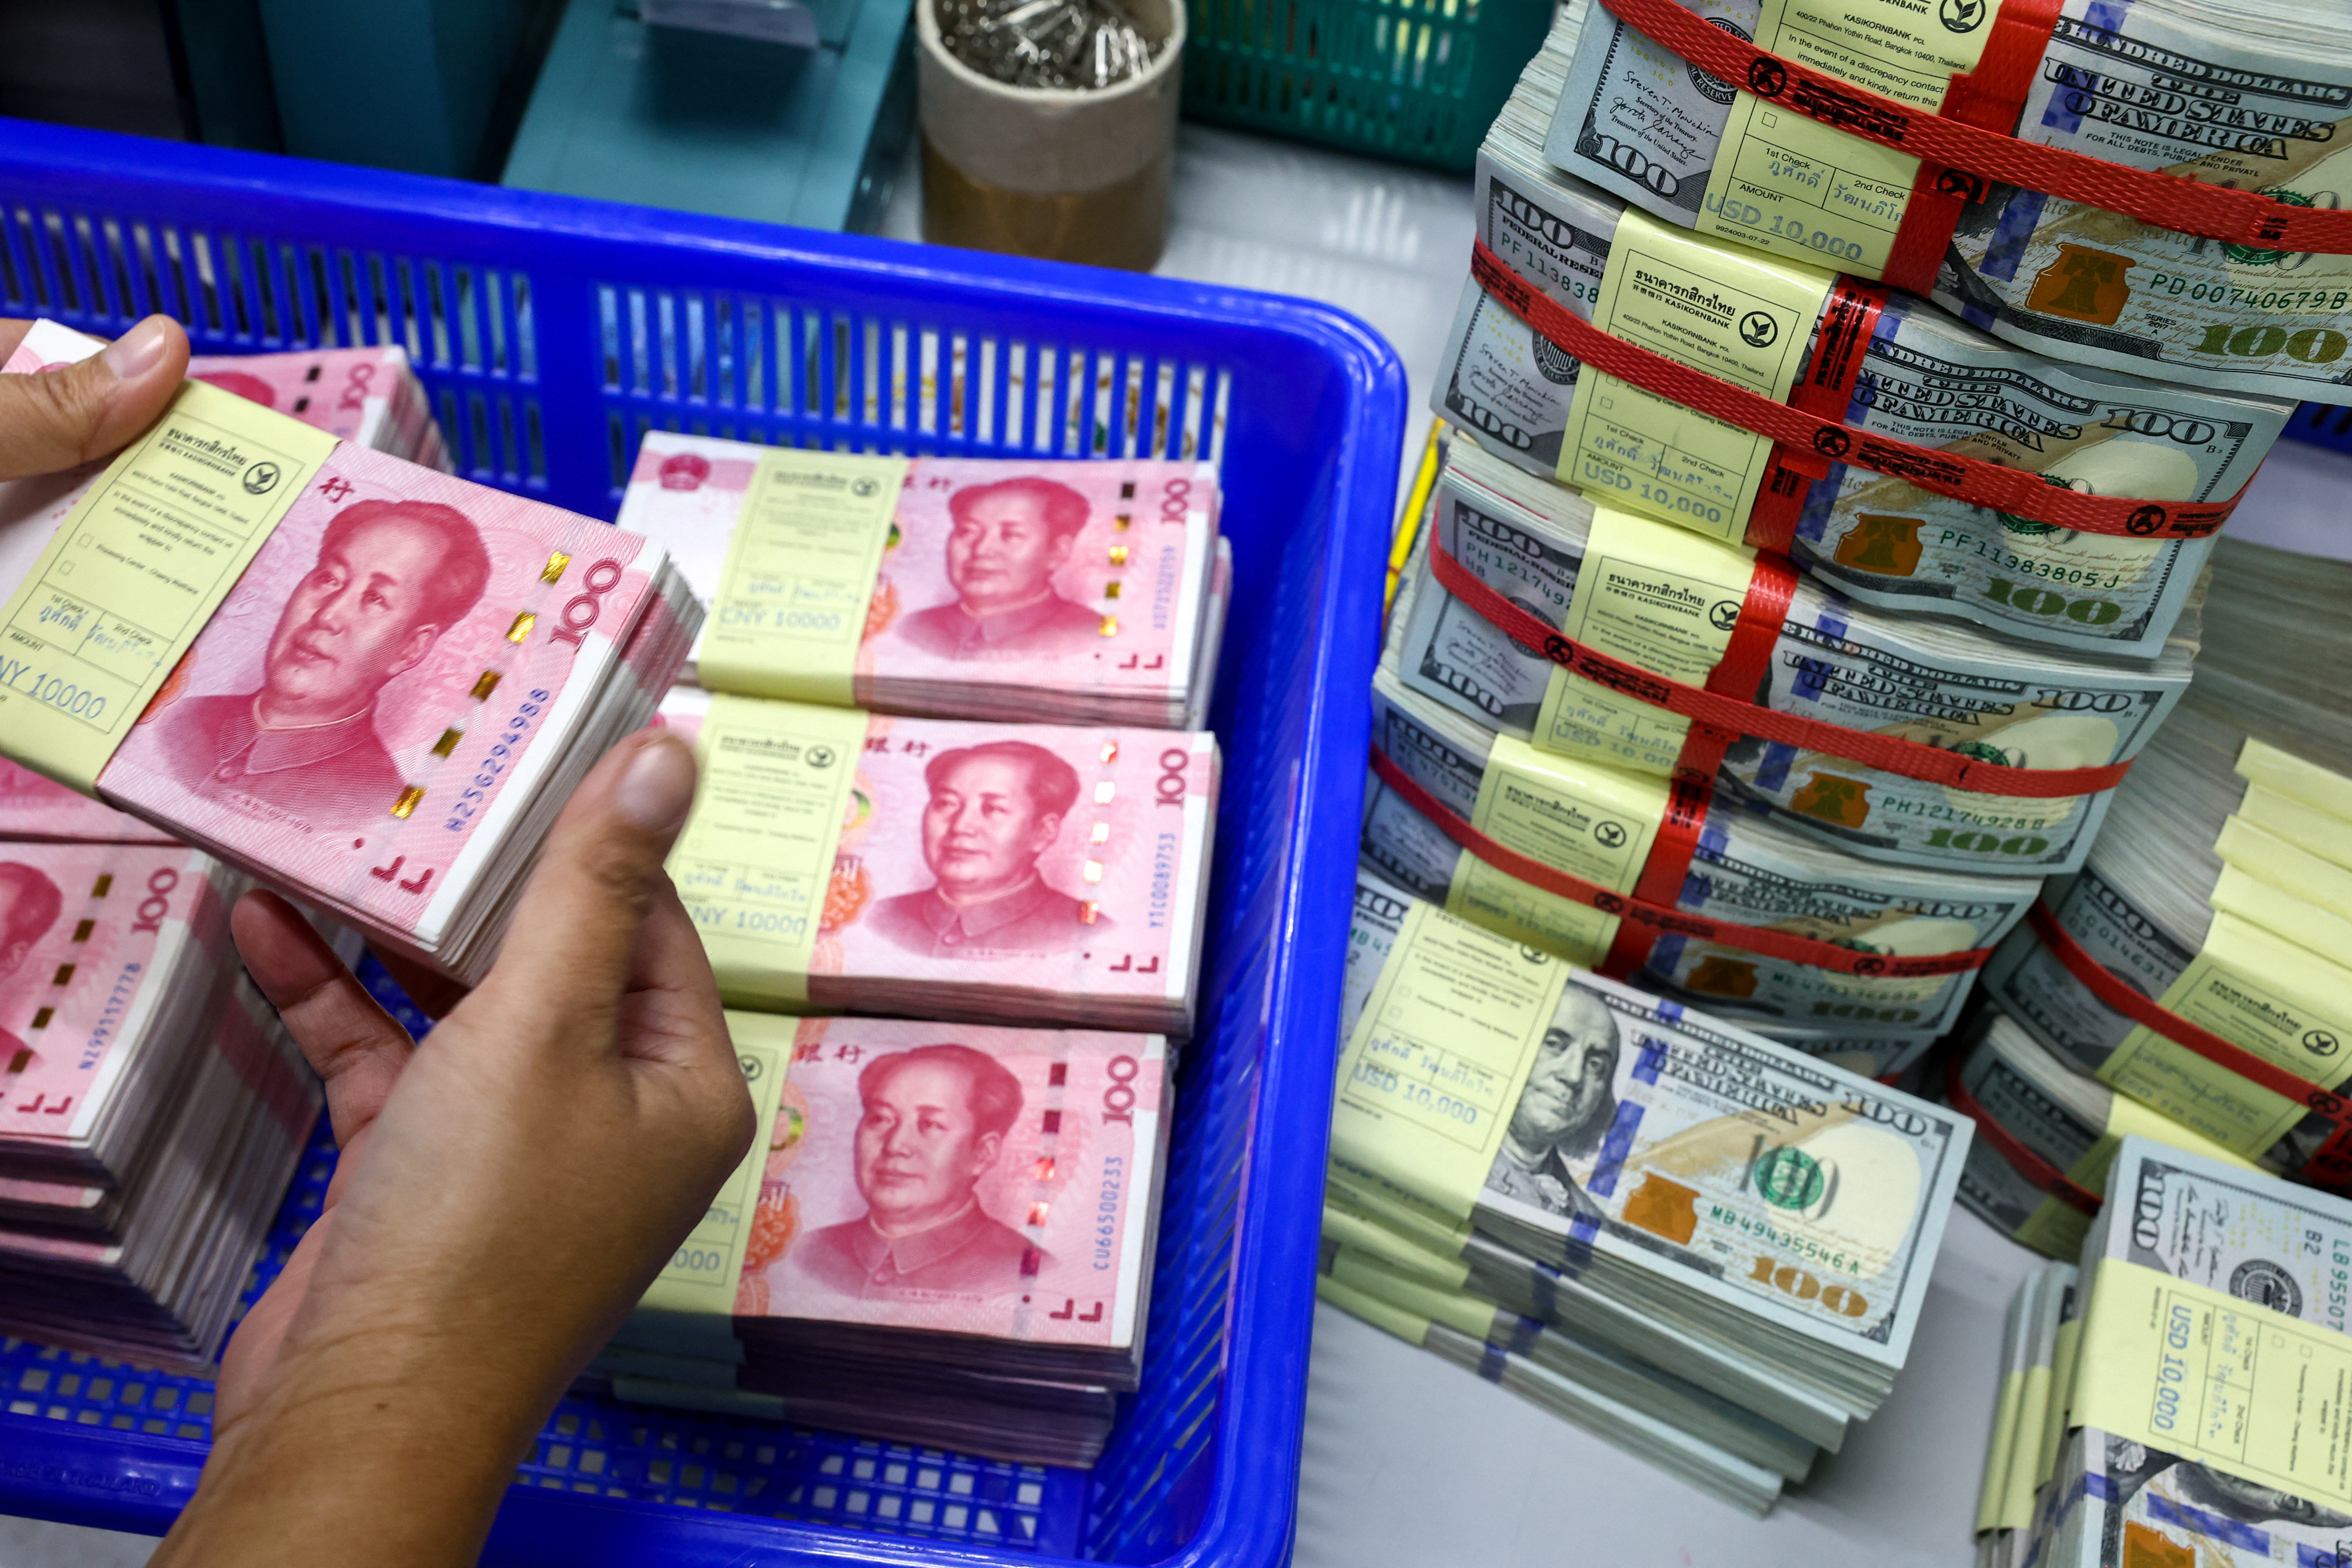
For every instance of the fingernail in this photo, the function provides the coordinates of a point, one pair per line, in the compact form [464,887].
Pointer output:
[136,352]
[656,791]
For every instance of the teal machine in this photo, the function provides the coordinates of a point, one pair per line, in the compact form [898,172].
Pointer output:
[792,111]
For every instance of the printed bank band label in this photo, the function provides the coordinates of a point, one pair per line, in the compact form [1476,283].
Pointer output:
[136,570]
[793,600]
[755,860]
[1743,319]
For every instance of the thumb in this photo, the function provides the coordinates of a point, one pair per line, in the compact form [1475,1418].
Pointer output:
[61,418]
[567,951]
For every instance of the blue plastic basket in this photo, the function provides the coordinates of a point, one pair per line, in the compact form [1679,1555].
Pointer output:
[553,332]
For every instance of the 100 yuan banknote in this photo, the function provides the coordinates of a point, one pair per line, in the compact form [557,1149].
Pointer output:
[364,395]
[34,808]
[98,942]
[959,1180]
[1487,1076]
[925,866]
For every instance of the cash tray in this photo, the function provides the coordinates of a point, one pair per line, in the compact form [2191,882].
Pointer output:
[553,332]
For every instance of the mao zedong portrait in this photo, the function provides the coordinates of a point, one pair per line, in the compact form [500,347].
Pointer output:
[391,575]
[1008,540]
[993,809]
[29,903]
[1564,1112]
[934,1122]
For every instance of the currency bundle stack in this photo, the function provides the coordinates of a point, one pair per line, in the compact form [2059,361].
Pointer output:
[365,683]
[1918,374]
[1731,1240]
[368,396]
[993,873]
[1081,591]
[155,1108]
[943,1237]
[1604,824]
[2190,1413]
[2245,97]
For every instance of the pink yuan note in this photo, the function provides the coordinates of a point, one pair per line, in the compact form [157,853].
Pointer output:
[88,936]
[371,704]
[970,1181]
[340,391]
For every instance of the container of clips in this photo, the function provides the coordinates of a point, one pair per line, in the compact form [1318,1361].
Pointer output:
[1049,126]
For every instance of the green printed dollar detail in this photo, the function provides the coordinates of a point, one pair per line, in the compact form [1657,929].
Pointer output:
[1789,1178]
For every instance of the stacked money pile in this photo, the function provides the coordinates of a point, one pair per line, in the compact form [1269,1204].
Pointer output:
[1088,592]
[2237,95]
[153,1107]
[364,682]
[367,396]
[995,873]
[943,1237]
[1703,1246]
[2174,1393]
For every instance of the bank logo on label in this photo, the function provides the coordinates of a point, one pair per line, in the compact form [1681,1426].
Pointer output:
[1961,15]
[1758,330]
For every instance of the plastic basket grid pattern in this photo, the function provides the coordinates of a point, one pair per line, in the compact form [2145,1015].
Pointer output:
[551,333]
[1419,80]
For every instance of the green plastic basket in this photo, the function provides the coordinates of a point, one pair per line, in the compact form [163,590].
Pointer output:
[1417,81]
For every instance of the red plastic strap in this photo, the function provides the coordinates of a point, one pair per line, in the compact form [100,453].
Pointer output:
[1848,322]
[1974,154]
[1991,97]
[2024,1161]
[1659,920]
[1972,479]
[1884,753]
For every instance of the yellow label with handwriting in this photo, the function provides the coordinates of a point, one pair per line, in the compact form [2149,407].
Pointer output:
[789,610]
[1785,183]
[755,859]
[1490,896]
[689,1308]
[1444,1046]
[1739,317]
[2267,995]
[1653,595]
[135,571]
[2218,1380]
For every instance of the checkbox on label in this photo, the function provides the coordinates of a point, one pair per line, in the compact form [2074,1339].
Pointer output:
[1768,119]
[1608,403]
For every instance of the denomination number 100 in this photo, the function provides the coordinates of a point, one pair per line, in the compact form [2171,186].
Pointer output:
[1796,1283]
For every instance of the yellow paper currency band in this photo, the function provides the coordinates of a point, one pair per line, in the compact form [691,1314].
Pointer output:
[2025,1449]
[2055,1229]
[1445,1045]
[696,1396]
[1455,1309]
[1589,819]
[689,1310]
[2062,1393]
[1362,1304]
[1395,1211]
[2297,823]
[793,600]
[2324,789]
[1997,1449]
[1360,1232]
[1655,595]
[1725,310]
[2320,911]
[132,575]
[1491,897]
[2221,1381]
[754,864]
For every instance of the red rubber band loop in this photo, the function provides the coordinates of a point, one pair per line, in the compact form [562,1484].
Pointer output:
[1661,920]
[1718,710]
[2024,1161]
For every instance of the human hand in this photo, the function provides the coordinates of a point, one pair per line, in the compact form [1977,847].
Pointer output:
[62,418]
[508,1190]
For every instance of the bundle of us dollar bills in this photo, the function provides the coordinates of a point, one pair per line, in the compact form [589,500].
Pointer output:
[2250,96]
[2198,1401]
[1924,376]
[2035,1116]
[1602,824]
[1675,1189]
[2222,888]
[2037,1344]
[1663,599]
